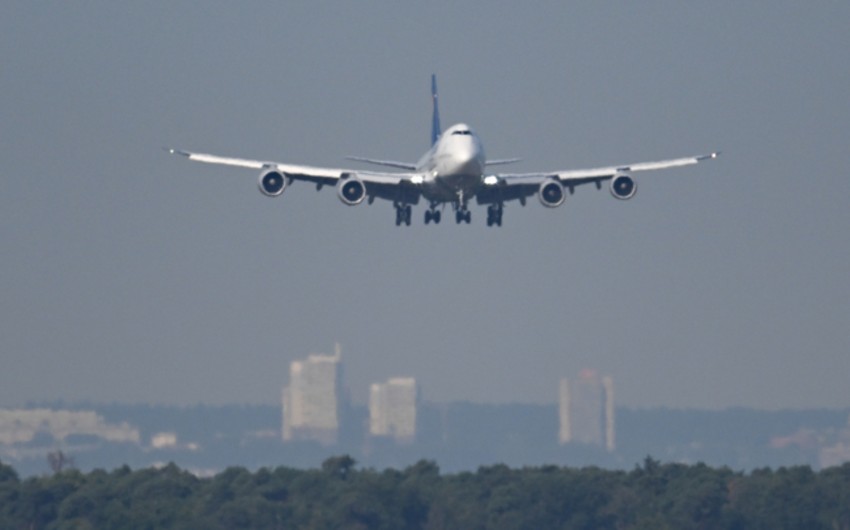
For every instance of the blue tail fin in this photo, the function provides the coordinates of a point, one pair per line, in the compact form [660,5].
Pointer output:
[435,122]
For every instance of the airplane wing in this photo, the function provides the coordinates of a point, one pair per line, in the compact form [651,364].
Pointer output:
[509,186]
[383,185]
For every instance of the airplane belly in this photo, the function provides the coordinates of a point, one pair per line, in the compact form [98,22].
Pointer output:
[437,193]
[447,188]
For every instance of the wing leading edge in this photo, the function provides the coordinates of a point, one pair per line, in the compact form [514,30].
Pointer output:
[299,172]
[503,187]
[601,173]
[395,186]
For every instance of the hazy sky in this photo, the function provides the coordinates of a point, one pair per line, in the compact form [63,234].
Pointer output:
[134,276]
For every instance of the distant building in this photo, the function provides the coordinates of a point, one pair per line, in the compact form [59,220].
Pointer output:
[608,386]
[586,410]
[392,409]
[565,432]
[311,402]
[23,425]
[838,451]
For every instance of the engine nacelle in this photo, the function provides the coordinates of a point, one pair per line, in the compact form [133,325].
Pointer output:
[351,189]
[551,193]
[623,187]
[272,183]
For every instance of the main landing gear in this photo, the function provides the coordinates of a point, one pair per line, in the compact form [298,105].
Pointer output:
[402,214]
[463,215]
[494,215]
[432,214]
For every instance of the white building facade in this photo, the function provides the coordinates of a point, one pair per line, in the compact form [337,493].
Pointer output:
[311,402]
[586,410]
[392,409]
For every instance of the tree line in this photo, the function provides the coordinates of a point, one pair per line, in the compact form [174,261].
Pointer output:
[338,495]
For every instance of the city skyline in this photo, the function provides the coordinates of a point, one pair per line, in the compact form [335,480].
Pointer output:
[315,406]
[459,436]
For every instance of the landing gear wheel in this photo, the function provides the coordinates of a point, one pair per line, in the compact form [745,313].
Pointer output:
[402,214]
[494,215]
[463,216]
[432,215]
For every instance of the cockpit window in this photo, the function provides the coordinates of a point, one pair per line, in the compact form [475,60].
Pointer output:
[467,132]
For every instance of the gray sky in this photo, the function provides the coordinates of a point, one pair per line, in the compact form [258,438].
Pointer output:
[131,275]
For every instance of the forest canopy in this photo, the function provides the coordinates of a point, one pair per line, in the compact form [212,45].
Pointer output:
[338,495]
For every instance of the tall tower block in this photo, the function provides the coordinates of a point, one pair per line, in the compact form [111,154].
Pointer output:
[586,410]
[311,402]
[392,409]
[565,434]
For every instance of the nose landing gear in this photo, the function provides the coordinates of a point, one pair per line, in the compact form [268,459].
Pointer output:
[403,213]
[463,215]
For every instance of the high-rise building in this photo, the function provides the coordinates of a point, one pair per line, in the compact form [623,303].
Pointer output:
[311,402]
[584,407]
[565,432]
[608,386]
[392,409]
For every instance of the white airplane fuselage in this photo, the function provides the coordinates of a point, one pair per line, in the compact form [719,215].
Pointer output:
[453,167]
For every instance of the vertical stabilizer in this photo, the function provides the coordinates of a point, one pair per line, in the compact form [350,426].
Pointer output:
[435,122]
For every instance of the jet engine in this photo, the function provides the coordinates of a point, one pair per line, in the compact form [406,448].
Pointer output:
[272,183]
[623,187]
[351,189]
[551,193]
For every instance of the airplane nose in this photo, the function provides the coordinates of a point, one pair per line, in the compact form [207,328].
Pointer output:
[470,166]
[468,163]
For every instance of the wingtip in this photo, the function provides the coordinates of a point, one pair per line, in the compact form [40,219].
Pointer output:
[173,151]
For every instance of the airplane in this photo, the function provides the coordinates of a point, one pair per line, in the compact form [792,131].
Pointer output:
[453,171]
